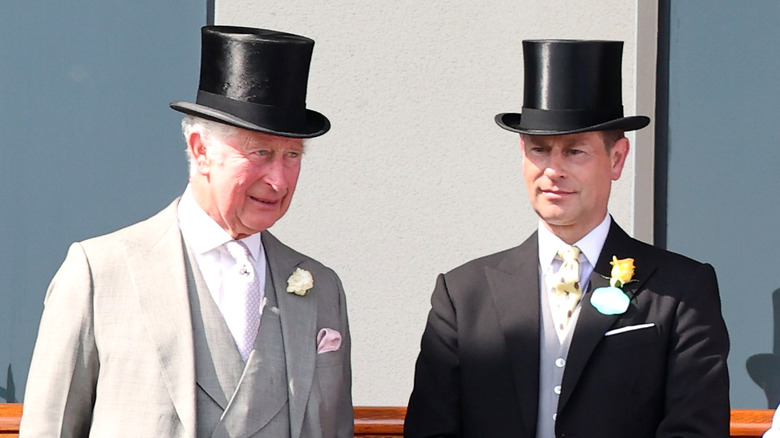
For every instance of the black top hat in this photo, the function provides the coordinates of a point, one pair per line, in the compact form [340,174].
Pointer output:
[256,79]
[571,86]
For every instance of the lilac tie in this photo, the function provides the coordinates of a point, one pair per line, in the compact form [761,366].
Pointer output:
[242,296]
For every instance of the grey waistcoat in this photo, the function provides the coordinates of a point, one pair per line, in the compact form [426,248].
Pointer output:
[552,361]
[233,398]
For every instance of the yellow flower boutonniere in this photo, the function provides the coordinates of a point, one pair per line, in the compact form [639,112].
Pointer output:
[622,271]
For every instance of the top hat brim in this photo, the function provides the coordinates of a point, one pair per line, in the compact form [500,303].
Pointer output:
[513,122]
[315,124]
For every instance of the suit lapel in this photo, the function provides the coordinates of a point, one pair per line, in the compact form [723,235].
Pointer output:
[514,286]
[299,318]
[590,328]
[591,324]
[156,264]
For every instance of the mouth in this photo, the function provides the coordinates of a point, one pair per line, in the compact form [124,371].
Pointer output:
[267,202]
[555,193]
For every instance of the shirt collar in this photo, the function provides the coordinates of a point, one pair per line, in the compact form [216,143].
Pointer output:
[590,245]
[204,234]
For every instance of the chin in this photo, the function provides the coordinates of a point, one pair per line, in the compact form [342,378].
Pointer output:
[260,220]
[552,215]
[259,228]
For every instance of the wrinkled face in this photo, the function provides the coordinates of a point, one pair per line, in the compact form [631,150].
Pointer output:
[245,182]
[569,177]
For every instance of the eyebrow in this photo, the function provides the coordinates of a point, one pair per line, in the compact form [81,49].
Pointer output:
[568,144]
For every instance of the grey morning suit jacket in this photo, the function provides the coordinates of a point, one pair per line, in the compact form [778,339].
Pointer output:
[119,355]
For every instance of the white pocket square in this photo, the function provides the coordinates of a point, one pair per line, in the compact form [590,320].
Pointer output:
[629,328]
[328,340]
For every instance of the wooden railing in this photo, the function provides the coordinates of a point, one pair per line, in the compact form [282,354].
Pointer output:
[388,422]
[10,415]
[751,423]
[379,422]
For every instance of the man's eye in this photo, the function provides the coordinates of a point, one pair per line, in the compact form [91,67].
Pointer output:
[294,154]
[262,152]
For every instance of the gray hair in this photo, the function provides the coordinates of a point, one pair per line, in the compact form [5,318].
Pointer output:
[208,129]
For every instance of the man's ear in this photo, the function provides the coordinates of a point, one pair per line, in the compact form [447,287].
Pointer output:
[197,151]
[617,156]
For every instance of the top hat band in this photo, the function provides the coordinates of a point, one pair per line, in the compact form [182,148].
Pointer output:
[270,116]
[555,119]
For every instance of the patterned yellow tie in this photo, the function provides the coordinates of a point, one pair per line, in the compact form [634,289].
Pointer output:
[567,288]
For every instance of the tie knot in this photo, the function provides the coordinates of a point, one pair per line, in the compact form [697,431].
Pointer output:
[238,251]
[569,253]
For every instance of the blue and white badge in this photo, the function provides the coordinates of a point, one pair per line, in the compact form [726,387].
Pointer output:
[610,300]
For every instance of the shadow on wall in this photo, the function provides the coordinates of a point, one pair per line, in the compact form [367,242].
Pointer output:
[9,392]
[764,368]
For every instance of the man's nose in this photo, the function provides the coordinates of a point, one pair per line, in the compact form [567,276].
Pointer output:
[555,165]
[274,175]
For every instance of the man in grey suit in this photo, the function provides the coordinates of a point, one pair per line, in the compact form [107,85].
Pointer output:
[198,322]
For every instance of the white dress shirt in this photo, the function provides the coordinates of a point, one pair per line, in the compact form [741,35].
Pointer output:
[207,240]
[590,249]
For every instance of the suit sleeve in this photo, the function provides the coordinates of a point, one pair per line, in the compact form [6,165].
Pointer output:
[697,386]
[434,406]
[61,383]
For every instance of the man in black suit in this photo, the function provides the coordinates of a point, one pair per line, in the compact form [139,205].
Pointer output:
[581,330]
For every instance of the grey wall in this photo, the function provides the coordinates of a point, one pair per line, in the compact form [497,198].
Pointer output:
[723,163]
[88,142]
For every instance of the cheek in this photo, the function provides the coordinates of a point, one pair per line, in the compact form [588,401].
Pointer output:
[531,175]
[291,175]
[599,188]
[528,169]
[243,176]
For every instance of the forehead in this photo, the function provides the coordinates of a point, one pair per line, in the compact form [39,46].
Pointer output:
[592,138]
[247,139]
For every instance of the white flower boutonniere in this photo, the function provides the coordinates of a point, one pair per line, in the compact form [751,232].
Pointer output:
[612,300]
[300,282]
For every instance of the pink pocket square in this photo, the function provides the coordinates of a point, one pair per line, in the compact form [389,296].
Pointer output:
[328,340]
